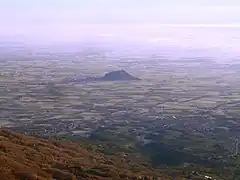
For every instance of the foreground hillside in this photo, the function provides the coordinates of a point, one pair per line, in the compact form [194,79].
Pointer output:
[24,157]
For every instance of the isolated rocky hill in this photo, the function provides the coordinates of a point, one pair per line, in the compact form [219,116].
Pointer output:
[119,75]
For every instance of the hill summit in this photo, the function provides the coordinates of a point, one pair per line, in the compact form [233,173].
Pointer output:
[119,75]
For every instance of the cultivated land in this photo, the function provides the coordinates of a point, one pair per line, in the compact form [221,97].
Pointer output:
[181,116]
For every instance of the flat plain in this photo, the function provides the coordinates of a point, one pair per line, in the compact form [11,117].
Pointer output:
[191,108]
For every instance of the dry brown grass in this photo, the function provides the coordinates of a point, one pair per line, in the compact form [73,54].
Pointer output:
[30,158]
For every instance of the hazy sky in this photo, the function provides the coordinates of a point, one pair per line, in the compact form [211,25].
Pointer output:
[73,19]
[45,12]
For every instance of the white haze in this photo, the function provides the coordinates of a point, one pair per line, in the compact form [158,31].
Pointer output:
[185,24]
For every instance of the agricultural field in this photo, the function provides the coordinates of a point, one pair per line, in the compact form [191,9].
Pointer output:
[178,115]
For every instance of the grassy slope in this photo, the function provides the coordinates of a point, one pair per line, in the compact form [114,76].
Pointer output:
[22,156]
